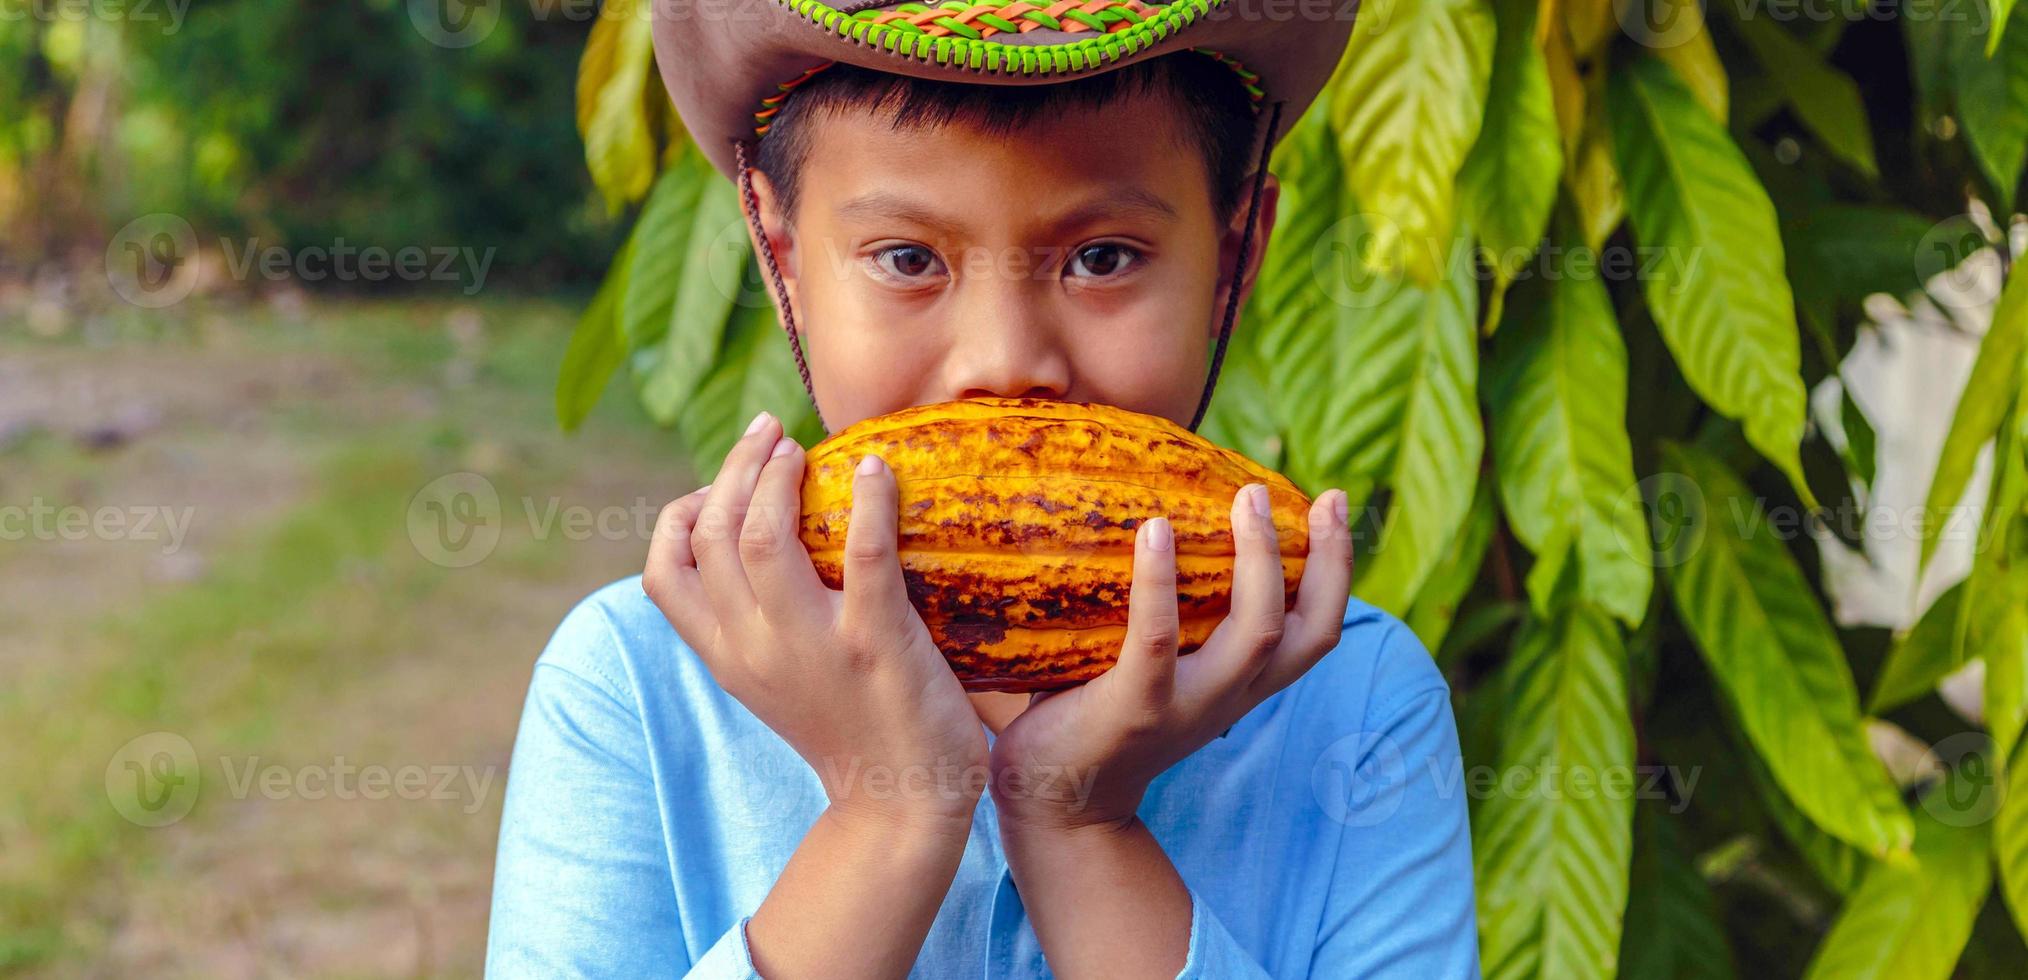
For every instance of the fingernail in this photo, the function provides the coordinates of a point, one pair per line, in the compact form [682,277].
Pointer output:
[1341,505]
[783,447]
[755,425]
[1260,498]
[869,465]
[1161,537]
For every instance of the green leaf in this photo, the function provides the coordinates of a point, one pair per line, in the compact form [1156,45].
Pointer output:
[1861,445]
[1724,309]
[1407,104]
[597,348]
[1301,330]
[1691,56]
[1415,365]
[1994,621]
[757,373]
[1843,253]
[714,268]
[2010,842]
[1825,99]
[1673,931]
[1995,378]
[690,254]
[1242,413]
[2002,9]
[1509,179]
[612,115]
[1910,920]
[1557,395]
[1553,860]
[1756,621]
[1991,92]
[1437,605]
[1921,656]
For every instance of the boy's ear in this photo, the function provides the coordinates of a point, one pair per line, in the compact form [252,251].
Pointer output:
[1228,250]
[776,226]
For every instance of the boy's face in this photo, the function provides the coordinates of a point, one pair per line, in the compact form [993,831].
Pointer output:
[1079,259]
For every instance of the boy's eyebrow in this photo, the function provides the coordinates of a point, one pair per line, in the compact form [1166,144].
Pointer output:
[1119,202]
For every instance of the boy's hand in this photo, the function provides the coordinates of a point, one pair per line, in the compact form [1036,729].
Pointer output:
[848,678]
[1084,757]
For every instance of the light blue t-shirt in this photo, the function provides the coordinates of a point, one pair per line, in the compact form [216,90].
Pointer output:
[648,813]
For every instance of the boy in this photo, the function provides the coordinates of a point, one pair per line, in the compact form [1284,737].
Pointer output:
[725,769]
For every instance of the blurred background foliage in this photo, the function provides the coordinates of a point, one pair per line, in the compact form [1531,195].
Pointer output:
[297,124]
[1588,489]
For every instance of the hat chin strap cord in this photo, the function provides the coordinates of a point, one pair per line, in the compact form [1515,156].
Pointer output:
[751,205]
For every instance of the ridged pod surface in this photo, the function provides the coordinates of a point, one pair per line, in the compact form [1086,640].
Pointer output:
[1017,527]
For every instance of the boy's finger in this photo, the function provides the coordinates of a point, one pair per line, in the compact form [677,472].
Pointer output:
[1314,625]
[778,569]
[876,599]
[1147,664]
[670,579]
[1244,642]
[715,539]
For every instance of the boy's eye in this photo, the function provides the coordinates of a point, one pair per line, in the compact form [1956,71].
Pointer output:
[1102,260]
[908,262]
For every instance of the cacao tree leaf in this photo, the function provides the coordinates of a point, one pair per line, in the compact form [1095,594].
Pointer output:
[715,261]
[1689,53]
[597,348]
[612,117]
[1415,374]
[1305,335]
[1510,176]
[1557,394]
[1910,920]
[1242,412]
[1774,654]
[2002,9]
[1672,930]
[1991,92]
[1996,376]
[1994,622]
[688,266]
[2010,842]
[1552,862]
[1412,93]
[1725,312]
[1922,656]
[1824,98]
[757,373]
[1436,607]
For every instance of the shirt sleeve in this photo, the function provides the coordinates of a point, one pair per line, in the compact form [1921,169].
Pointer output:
[1214,953]
[582,885]
[1400,902]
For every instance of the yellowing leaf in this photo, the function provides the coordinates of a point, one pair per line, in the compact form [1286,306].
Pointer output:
[1411,94]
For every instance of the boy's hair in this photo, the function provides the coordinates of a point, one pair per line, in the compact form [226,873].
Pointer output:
[1215,111]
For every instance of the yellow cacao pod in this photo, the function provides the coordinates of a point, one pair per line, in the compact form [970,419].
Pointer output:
[1017,520]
